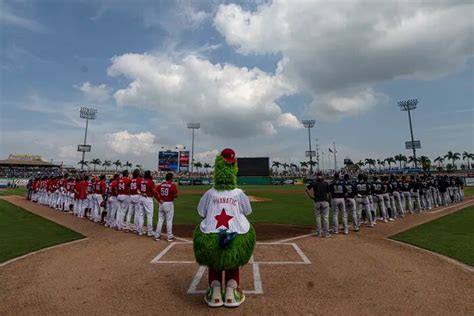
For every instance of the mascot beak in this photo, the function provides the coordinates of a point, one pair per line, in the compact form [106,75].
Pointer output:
[229,156]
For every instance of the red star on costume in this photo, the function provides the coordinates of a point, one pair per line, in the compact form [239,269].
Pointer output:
[223,219]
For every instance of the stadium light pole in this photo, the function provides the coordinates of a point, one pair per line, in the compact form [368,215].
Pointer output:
[407,106]
[193,126]
[88,114]
[309,124]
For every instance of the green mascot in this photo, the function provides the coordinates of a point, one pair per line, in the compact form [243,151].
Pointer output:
[225,240]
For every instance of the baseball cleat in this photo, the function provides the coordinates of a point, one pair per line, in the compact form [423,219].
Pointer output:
[233,295]
[390,219]
[346,231]
[213,297]
[169,239]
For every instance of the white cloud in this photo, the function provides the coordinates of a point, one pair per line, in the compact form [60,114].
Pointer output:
[8,17]
[227,100]
[67,152]
[336,51]
[98,93]
[124,142]
[206,156]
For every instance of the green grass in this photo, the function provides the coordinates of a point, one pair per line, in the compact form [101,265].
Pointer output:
[289,204]
[451,235]
[21,191]
[22,232]
[468,191]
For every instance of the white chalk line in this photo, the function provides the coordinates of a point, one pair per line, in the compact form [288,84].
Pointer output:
[41,250]
[464,266]
[448,207]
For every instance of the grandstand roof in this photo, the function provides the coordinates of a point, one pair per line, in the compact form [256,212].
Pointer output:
[34,163]
[25,160]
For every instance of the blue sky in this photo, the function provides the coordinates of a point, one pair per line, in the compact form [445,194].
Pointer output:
[249,72]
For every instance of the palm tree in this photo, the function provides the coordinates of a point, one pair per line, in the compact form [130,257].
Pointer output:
[303,164]
[95,162]
[294,168]
[197,165]
[453,157]
[277,165]
[370,162]
[117,164]
[139,167]
[106,163]
[127,164]
[312,163]
[425,162]
[207,166]
[390,160]
[467,156]
[360,163]
[83,163]
[400,158]
[439,160]
[412,159]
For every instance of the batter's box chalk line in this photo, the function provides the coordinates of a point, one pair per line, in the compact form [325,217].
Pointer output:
[257,281]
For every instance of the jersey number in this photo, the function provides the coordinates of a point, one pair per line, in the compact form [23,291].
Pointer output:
[164,191]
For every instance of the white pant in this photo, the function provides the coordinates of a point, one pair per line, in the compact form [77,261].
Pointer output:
[416,201]
[122,201]
[381,206]
[147,204]
[96,209]
[165,212]
[112,208]
[133,207]
[363,202]
[397,200]
[80,207]
[407,198]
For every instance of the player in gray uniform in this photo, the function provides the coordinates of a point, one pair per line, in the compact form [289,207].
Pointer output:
[425,193]
[434,191]
[460,186]
[387,199]
[351,206]
[363,191]
[407,187]
[396,198]
[320,189]
[379,191]
[415,194]
[337,191]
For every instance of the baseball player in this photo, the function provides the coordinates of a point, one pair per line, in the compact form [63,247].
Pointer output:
[390,211]
[379,191]
[90,198]
[350,203]
[98,197]
[123,199]
[135,209]
[415,194]
[396,196]
[337,193]
[407,187]
[166,193]
[370,187]
[320,195]
[147,189]
[112,203]
[363,191]
[81,196]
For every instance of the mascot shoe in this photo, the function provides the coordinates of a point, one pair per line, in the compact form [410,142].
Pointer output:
[233,295]
[213,297]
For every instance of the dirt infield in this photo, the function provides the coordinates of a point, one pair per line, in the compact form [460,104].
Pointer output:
[110,273]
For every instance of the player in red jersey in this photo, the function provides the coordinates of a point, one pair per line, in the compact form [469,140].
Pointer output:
[135,209]
[166,192]
[90,195]
[147,190]
[112,203]
[70,204]
[81,196]
[98,197]
[123,198]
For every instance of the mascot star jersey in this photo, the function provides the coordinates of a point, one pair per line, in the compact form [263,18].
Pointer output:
[224,210]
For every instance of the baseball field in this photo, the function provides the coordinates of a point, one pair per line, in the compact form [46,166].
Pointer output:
[104,272]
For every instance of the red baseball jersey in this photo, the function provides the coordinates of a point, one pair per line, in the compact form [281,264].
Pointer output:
[114,188]
[135,185]
[99,187]
[123,186]
[147,187]
[167,191]
[81,190]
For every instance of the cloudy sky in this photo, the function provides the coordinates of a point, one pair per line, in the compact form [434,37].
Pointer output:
[249,72]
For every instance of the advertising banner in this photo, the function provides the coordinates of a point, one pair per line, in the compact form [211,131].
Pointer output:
[184,161]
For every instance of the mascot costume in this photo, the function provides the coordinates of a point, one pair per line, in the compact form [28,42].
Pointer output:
[225,240]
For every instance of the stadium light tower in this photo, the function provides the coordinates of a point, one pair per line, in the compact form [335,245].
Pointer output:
[407,106]
[88,114]
[309,124]
[193,126]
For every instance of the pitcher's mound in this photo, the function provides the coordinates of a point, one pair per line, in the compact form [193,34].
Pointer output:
[254,198]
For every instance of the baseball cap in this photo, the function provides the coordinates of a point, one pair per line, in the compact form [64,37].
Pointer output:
[229,156]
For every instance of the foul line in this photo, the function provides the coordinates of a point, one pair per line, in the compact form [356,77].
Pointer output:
[41,250]
[464,266]
[448,207]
